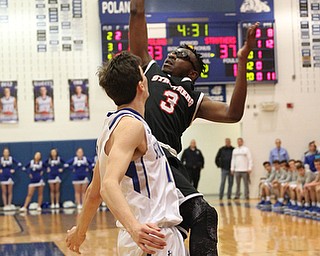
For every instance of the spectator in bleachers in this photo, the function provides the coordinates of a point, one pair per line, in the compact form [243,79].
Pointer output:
[54,165]
[267,187]
[305,176]
[7,169]
[278,153]
[35,170]
[310,155]
[268,168]
[312,190]
[283,184]
[80,166]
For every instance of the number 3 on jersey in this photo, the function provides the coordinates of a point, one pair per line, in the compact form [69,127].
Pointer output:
[170,102]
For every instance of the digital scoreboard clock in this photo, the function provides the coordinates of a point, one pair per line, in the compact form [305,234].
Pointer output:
[216,37]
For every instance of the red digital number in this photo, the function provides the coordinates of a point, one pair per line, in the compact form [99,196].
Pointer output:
[270,43]
[155,52]
[224,50]
[270,32]
[235,70]
[271,76]
[258,33]
[259,65]
[118,35]
[259,76]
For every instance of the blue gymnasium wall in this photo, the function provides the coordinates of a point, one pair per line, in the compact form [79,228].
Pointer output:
[24,152]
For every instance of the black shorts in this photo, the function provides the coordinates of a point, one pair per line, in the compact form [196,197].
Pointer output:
[181,177]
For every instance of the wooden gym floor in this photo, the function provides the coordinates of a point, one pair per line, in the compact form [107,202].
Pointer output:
[243,230]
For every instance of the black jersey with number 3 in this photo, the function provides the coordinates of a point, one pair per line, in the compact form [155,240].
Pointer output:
[171,106]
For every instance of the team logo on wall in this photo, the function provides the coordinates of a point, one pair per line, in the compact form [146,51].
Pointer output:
[79,99]
[254,6]
[43,100]
[8,102]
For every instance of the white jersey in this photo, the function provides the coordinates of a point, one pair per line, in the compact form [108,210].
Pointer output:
[79,102]
[8,104]
[148,187]
[44,104]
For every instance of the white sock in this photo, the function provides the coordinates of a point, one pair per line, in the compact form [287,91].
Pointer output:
[313,203]
[306,204]
[299,204]
[293,202]
[268,198]
[280,200]
[263,198]
[318,204]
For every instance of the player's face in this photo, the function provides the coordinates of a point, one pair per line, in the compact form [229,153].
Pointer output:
[292,165]
[267,167]
[6,92]
[317,166]
[6,152]
[301,171]
[78,90]
[180,62]
[43,91]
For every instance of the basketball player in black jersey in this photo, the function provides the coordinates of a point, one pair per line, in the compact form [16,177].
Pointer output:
[171,108]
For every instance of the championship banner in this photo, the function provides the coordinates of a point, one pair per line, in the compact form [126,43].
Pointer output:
[79,99]
[43,100]
[8,102]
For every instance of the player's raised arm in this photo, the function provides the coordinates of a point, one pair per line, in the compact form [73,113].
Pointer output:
[220,112]
[138,34]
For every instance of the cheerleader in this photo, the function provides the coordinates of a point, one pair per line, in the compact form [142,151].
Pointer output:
[35,170]
[7,165]
[54,166]
[81,167]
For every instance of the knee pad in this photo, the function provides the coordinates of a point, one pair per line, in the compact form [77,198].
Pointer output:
[200,217]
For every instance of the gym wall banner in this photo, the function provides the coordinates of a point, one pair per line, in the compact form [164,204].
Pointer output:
[43,100]
[8,102]
[79,99]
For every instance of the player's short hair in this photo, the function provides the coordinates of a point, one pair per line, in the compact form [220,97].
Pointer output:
[120,76]
[317,159]
[299,166]
[200,64]
[275,162]
[266,163]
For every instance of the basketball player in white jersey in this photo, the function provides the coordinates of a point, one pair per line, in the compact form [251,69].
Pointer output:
[79,101]
[134,177]
[8,103]
[44,103]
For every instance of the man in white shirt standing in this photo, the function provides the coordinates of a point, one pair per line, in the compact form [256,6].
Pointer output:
[241,166]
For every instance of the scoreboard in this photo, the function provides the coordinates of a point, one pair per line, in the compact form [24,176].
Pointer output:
[216,36]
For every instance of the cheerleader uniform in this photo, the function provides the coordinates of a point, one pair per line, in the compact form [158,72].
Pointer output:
[53,169]
[35,171]
[6,165]
[81,169]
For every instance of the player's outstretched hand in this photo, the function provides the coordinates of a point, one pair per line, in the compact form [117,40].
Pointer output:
[74,240]
[148,237]
[250,42]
